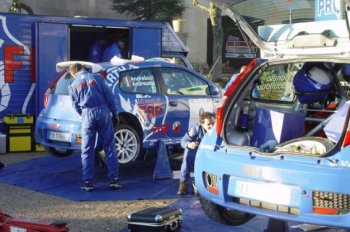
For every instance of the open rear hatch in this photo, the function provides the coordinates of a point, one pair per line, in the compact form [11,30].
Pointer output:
[292,28]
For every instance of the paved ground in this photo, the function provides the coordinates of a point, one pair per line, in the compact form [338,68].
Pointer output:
[80,216]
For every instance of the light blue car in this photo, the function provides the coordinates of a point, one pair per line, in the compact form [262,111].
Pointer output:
[157,101]
[281,143]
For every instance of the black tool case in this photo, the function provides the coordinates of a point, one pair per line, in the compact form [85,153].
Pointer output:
[155,220]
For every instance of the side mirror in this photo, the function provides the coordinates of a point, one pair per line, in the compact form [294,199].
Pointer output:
[213,90]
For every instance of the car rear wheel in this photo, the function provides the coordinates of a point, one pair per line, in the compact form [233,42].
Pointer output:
[128,144]
[223,215]
[58,151]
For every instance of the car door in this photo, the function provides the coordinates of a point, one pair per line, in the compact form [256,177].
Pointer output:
[51,45]
[141,97]
[187,96]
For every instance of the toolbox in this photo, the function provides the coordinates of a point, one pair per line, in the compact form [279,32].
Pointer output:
[2,143]
[19,132]
[155,220]
[38,147]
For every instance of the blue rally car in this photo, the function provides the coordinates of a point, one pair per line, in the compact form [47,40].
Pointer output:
[157,100]
[281,143]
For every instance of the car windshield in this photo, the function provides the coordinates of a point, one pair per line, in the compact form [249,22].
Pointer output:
[279,20]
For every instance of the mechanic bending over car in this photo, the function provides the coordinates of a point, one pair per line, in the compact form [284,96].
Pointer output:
[94,101]
[190,143]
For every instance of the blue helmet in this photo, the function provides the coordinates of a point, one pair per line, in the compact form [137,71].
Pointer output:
[312,83]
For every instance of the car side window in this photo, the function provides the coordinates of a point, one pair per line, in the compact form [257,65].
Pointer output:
[275,84]
[62,84]
[181,82]
[138,81]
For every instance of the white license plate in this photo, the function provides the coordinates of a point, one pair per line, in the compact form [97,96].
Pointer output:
[59,136]
[268,192]
[16,229]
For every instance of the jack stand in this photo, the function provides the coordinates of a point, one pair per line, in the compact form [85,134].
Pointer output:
[8,224]
[162,168]
[276,225]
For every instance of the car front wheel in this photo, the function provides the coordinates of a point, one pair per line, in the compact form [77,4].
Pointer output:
[223,215]
[128,143]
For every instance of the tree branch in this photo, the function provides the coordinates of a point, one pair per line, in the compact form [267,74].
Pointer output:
[201,6]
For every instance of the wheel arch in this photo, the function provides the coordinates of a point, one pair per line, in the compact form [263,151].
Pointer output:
[132,120]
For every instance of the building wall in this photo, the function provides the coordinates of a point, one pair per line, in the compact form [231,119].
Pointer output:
[90,8]
[196,29]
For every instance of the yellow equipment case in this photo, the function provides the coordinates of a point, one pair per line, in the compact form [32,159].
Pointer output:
[19,132]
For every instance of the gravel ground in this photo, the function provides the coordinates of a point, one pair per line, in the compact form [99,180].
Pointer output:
[80,216]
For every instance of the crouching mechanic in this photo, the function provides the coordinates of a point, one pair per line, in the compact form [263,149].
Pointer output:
[94,101]
[190,143]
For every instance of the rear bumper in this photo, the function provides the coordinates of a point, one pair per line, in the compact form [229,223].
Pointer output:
[274,187]
[71,129]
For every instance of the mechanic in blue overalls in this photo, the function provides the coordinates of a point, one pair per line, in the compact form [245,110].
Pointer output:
[190,143]
[113,49]
[94,101]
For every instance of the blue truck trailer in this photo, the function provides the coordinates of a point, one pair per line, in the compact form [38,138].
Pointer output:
[31,45]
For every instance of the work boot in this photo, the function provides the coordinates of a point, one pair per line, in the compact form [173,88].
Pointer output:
[87,186]
[115,184]
[182,188]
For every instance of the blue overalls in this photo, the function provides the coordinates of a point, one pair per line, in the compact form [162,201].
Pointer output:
[111,51]
[195,134]
[94,101]
[96,51]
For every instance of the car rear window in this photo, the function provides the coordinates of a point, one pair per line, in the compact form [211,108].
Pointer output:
[61,87]
[276,83]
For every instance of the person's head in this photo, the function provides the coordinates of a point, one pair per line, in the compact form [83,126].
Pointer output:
[206,120]
[121,44]
[74,68]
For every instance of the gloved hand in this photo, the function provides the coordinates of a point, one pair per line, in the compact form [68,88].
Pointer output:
[115,120]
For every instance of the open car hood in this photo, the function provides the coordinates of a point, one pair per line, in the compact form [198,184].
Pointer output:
[293,28]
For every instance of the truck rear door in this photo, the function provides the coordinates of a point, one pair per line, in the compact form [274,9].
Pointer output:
[51,46]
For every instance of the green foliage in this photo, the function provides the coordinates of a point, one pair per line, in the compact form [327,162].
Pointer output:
[152,10]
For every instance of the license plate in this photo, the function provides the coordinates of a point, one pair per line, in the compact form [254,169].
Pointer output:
[268,192]
[59,136]
[16,229]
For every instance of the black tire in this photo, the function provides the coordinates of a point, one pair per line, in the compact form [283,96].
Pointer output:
[223,215]
[324,143]
[128,144]
[58,152]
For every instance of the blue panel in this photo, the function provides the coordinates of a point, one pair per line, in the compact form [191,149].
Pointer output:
[146,42]
[276,125]
[51,47]
[16,80]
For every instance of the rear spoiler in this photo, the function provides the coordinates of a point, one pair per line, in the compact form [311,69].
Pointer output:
[119,61]
[95,68]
